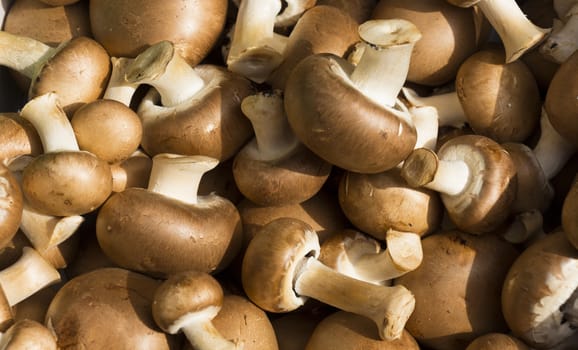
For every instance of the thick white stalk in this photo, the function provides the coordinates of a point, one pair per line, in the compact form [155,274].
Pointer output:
[273,135]
[448,106]
[23,54]
[425,120]
[563,40]
[517,32]
[382,69]
[451,177]
[51,123]
[163,68]
[202,334]
[46,231]
[179,176]
[27,276]
[118,88]
[552,150]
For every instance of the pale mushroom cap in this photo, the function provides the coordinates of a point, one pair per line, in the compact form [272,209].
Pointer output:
[183,296]
[538,284]
[11,205]
[30,335]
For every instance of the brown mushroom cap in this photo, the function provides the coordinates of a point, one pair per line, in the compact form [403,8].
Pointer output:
[561,103]
[493,341]
[359,10]
[539,285]
[457,288]
[77,73]
[210,124]
[158,235]
[11,205]
[450,35]
[500,100]
[375,203]
[19,137]
[128,27]
[339,123]
[28,334]
[66,183]
[108,129]
[344,330]
[102,307]
[570,213]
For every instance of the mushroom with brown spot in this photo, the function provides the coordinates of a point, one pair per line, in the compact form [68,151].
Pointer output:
[281,271]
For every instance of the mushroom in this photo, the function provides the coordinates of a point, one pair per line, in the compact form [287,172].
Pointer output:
[357,255]
[11,205]
[28,334]
[118,88]
[569,209]
[344,330]
[560,102]
[108,129]
[76,71]
[19,138]
[190,111]
[127,28]
[34,307]
[475,176]
[517,33]
[321,29]
[359,10]
[561,42]
[107,308]
[275,168]
[368,134]
[188,301]
[493,341]
[63,181]
[280,271]
[449,36]
[457,288]
[167,227]
[539,292]
[133,171]
[290,12]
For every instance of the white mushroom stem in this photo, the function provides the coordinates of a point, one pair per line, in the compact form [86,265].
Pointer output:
[118,88]
[27,276]
[448,106]
[517,32]
[46,231]
[425,119]
[23,54]
[51,123]
[292,12]
[382,69]
[202,334]
[255,49]
[273,135]
[179,176]
[552,150]
[563,39]
[162,67]
[388,307]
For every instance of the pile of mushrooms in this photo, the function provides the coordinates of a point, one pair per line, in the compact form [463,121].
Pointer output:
[289,174]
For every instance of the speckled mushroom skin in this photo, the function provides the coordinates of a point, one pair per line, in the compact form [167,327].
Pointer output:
[151,233]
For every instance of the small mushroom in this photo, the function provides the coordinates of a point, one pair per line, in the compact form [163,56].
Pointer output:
[190,111]
[19,138]
[28,334]
[275,168]
[344,330]
[63,181]
[281,270]
[493,341]
[475,176]
[76,70]
[188,301]
[167,227]
[539,292]
[517,33]
[347,114]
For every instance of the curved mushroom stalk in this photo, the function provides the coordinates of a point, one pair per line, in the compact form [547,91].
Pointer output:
[359,256]
[552,150]
[447,105]
[188,302]
[475,176]
[517,32]
[118,88]
[24,54]
[426,122]
[280,271]
[275,168]
[350,116]
[562,41]
[63,181]
[255,49]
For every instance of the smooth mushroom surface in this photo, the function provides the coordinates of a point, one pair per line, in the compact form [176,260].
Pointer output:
[492,341]
[28,334]
[11,205]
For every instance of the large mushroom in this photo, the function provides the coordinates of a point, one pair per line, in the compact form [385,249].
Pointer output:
[281,271]
[167,227]
[347,115]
